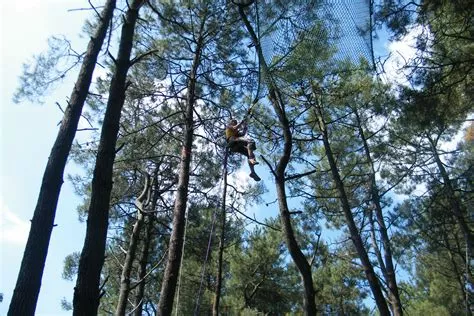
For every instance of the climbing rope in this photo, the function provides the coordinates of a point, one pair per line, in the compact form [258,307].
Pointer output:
[203,269]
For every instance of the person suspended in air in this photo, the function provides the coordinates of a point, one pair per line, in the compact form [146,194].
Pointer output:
[239,142]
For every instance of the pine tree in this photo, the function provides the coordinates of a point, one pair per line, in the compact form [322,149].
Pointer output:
[28,284]
[260,279]
[203,33]
[87,293]
[285,122]
[355,234]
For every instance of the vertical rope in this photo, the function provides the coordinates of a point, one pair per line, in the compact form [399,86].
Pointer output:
[203,269]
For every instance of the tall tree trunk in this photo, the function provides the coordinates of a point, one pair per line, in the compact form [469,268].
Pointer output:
[147,241]
[86,293]
[220,261]
[452,198]
[387,264]
[140,291]
[285,217]
[464,288]
[25,295]
[141,203]
[354,232]
[170,277]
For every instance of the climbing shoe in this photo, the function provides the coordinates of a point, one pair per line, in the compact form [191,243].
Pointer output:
[253,162]
[254,176]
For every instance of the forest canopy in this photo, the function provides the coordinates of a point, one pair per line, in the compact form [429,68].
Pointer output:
[370,179]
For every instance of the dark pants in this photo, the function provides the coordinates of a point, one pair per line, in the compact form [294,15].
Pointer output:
[242,145]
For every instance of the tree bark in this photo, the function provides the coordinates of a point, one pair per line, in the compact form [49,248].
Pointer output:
[387,264]
[149,220]
[86,293]
[140,291]
[354,232]
[295,251]
[220,261]
[25,295]
[141,203]
[170,277]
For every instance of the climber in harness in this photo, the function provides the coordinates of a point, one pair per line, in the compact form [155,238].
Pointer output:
[238,142]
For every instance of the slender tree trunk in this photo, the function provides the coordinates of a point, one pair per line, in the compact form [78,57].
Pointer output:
[456,269]
[295,251]
[285,217]
[127,268]
[375,245]
[220,261]
[25,295]
[355,235]
[170,277]
[140,292]
[141,203]
[452,198]
[86,293]
[388,268]
[149,220]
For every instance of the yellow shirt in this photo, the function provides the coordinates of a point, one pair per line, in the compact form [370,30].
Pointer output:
[230,132]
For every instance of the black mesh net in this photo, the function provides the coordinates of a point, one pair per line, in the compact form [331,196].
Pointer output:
[353,20]
[348,23]
[344,26]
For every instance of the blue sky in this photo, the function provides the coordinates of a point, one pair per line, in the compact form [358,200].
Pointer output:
[27,132]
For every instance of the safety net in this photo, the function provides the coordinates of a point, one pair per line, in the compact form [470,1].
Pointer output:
[343,25]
